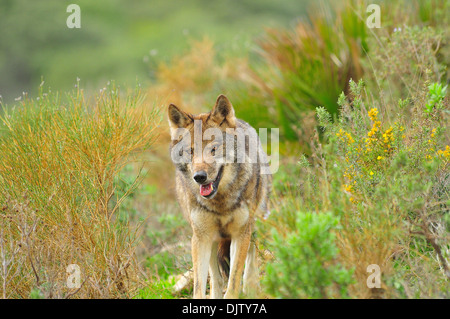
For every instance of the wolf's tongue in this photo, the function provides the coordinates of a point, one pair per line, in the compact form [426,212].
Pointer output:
[207,189]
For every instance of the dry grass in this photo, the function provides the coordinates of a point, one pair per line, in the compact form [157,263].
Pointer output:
[60,157]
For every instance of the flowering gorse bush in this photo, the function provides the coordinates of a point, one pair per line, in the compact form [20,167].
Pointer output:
[394,170]
[369,144]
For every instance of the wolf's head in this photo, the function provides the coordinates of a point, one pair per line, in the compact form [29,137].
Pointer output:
[200,158]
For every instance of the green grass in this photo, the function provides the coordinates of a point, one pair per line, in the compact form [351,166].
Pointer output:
[162,289]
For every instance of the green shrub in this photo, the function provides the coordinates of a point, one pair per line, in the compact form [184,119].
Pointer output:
[305,265]
[436,96]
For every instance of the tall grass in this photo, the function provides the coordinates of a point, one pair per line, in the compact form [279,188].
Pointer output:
[60,156]
[310,64]
[307,66]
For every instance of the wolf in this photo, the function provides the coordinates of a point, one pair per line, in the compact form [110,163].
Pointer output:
[221,191]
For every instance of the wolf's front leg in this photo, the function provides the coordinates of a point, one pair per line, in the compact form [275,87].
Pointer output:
[238,252]
[216,281]
[201,253]
[251,273]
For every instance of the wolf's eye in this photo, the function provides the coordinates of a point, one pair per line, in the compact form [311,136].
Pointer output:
[213,151]
[188,151]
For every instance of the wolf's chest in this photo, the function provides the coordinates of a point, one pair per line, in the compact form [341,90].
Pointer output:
[219,226]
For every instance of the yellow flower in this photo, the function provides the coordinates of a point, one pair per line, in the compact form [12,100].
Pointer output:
[379,158]
[444,153]
[433,132]
[348,188]
[350,138]
[388,135]
[371,173]
[373,113]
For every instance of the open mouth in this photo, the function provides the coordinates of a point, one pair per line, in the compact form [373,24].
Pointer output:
[208,190]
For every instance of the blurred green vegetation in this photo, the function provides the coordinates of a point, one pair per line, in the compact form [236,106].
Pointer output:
[118,39]
[312,63]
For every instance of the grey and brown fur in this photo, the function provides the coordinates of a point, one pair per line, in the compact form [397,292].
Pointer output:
[222,225]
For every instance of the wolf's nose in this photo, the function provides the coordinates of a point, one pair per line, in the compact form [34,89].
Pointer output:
[200,177]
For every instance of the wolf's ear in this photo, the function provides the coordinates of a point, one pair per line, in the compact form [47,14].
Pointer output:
[223,111]
[177,118]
